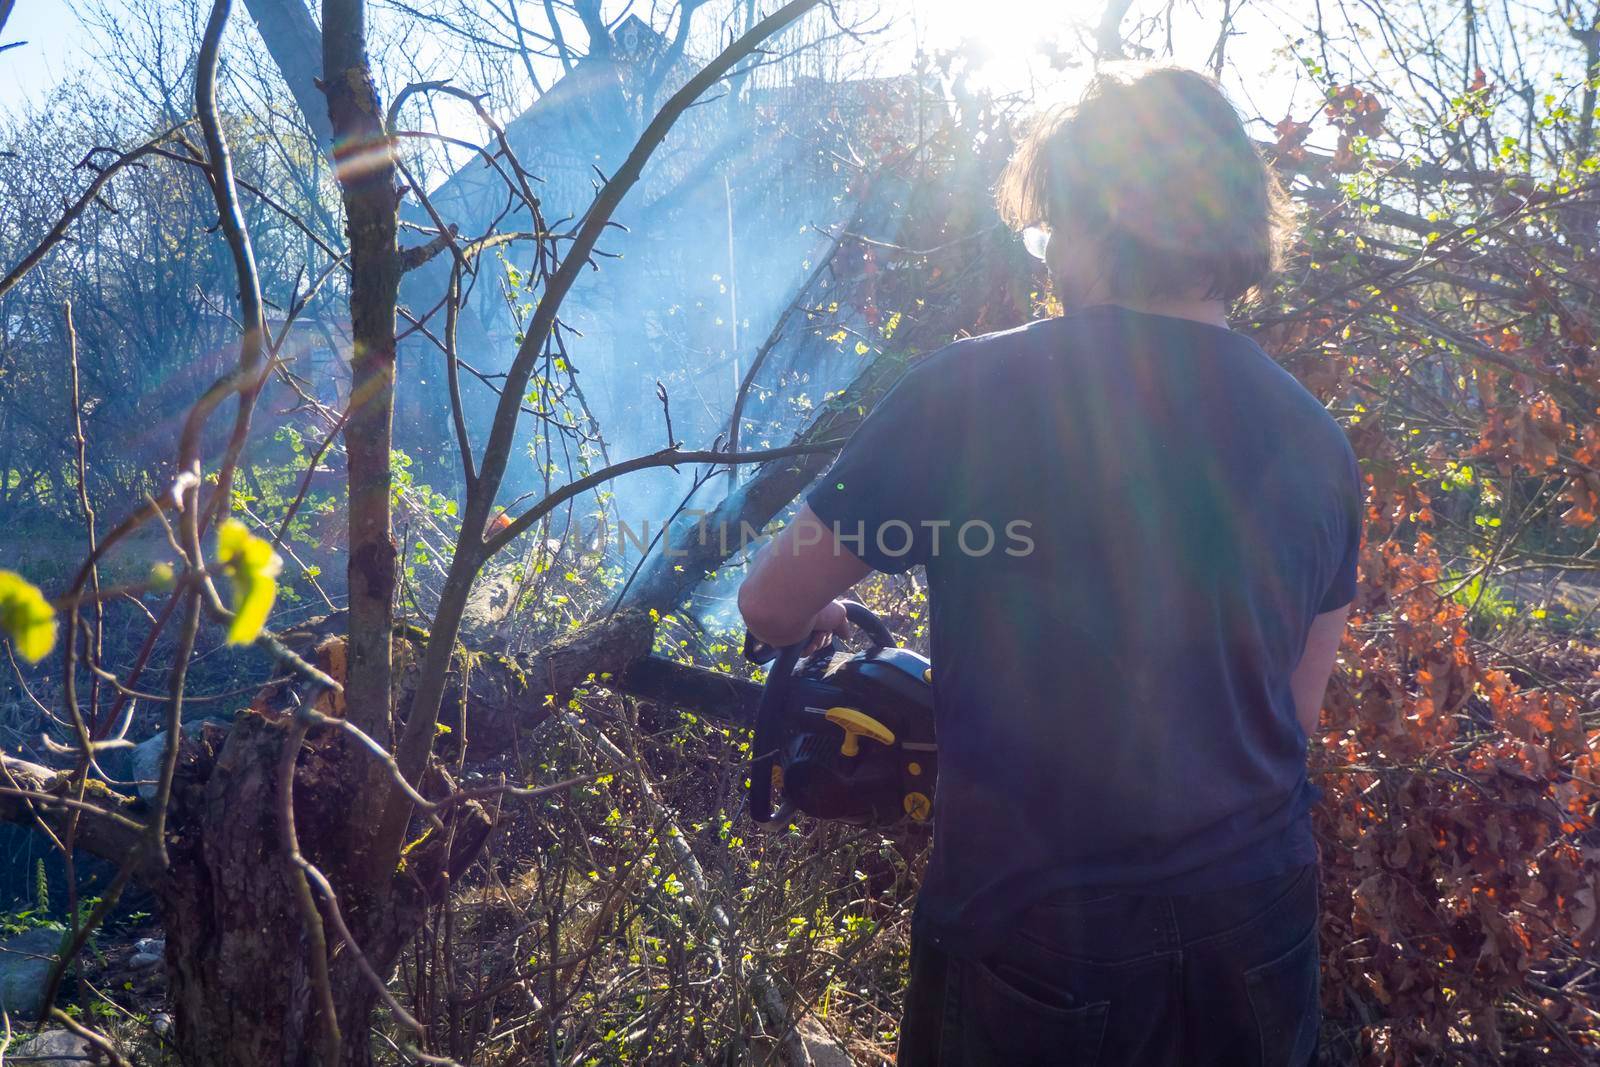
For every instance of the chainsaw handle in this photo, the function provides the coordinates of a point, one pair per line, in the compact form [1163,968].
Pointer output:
[865,620]
[769,731]
[775,697]
[859,615]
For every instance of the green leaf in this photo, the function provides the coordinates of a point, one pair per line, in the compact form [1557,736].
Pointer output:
[162,577]
[26,617]
[253,567]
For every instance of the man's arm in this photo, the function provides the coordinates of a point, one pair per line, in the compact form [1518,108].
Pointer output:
[1310,679]
[789,591]
[883,475]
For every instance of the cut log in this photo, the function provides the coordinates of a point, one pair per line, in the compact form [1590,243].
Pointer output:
[41,795]
[709,694]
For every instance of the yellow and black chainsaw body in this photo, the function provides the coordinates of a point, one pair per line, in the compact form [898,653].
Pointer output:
[848,738]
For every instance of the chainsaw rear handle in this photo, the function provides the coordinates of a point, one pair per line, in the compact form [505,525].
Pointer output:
[863,619]
[775,695]
[859,615]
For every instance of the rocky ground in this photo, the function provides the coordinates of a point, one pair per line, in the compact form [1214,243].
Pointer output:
[121,986]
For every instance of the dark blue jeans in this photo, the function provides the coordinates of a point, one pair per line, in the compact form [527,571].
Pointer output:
[1090,979]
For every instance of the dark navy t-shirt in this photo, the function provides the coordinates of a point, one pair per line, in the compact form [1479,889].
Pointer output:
[1128,522]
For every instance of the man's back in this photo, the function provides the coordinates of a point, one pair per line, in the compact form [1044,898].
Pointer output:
[1140,537]
[1128,522]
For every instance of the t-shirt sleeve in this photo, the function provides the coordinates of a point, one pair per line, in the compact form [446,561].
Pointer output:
[1343,589]
[879,492]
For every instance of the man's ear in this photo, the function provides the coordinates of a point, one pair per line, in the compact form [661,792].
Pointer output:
[1074,260]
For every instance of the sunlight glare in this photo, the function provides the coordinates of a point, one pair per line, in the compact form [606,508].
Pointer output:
[1007,37]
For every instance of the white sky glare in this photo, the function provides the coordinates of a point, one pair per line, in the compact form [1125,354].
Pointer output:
[1005,32]
[55,38]
[1008,36]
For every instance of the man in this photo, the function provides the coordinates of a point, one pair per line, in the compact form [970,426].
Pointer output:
[1128,667]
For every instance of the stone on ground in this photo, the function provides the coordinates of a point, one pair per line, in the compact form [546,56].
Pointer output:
[25,962]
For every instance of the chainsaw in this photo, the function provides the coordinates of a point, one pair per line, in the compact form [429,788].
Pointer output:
[842,737]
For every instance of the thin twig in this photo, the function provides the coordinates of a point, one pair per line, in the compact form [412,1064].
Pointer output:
[309,916]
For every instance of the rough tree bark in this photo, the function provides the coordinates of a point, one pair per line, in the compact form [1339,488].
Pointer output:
[241,991]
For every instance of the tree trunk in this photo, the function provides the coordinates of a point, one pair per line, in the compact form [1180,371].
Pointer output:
[239,948]
[238,952]
[365,165]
